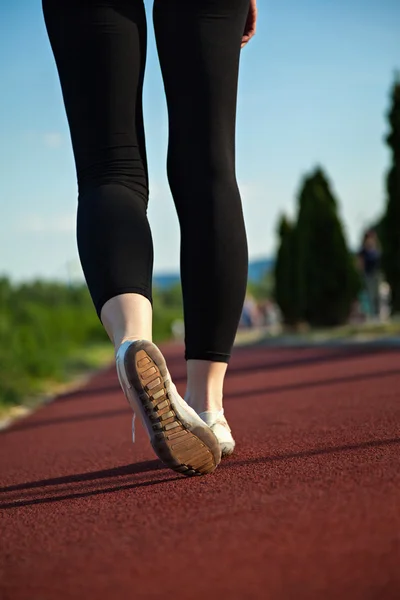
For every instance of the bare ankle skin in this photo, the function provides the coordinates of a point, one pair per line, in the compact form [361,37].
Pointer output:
[205,383]
[127,317]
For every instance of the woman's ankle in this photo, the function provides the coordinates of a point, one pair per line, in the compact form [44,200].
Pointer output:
[205,384]
[127,317]
[201,403]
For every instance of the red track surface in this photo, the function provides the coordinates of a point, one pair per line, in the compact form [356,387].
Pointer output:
[308,507]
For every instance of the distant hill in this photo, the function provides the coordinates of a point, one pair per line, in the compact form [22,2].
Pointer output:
[257,269]
[165,280]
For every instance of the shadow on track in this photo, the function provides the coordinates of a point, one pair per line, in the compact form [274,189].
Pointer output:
[157,465]
[133,469]
[320,356]
[75,495]
[304,385]
[313,452]
[141,467]
[33,424]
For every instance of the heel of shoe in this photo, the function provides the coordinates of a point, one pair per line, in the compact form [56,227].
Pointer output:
[187,447]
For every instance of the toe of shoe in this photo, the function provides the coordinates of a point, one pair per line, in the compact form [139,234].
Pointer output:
[227,449]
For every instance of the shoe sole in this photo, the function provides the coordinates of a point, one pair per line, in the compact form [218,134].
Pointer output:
[184,447]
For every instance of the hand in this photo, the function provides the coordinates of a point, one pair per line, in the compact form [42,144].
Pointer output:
[250,27]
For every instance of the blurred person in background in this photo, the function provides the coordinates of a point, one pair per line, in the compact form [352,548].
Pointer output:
[251,316]
[370,262]
[100,52]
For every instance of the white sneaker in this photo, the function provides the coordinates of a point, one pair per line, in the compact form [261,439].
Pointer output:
[219,426]
[179,437]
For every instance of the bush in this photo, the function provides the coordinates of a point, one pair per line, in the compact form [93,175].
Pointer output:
[41,325]
[44,324]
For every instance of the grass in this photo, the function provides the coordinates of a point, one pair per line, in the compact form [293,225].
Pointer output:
[77,368]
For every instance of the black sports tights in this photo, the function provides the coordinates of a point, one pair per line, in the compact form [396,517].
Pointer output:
[100,50]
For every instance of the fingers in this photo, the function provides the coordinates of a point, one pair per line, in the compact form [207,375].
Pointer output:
[247,37]
[250,28]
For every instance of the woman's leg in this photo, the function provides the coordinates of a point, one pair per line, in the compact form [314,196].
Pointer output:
[199,47]
[100,50]
[99,46]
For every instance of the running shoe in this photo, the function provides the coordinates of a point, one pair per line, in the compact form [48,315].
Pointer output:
[219,426]
[180,438]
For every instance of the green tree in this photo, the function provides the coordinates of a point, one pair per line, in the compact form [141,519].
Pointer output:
[284,272]
[390,225]
[326,280]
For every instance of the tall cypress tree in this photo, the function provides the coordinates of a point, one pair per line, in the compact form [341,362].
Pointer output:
[284,290]
[390,226]
[326,278]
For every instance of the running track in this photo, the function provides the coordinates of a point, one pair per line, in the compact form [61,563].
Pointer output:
[308,507]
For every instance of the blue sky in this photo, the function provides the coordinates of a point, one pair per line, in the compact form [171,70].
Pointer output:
[313,88]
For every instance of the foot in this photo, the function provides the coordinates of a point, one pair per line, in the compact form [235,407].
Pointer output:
[179,437]
[219,426]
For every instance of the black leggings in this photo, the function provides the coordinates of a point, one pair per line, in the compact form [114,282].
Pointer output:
[100,51]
